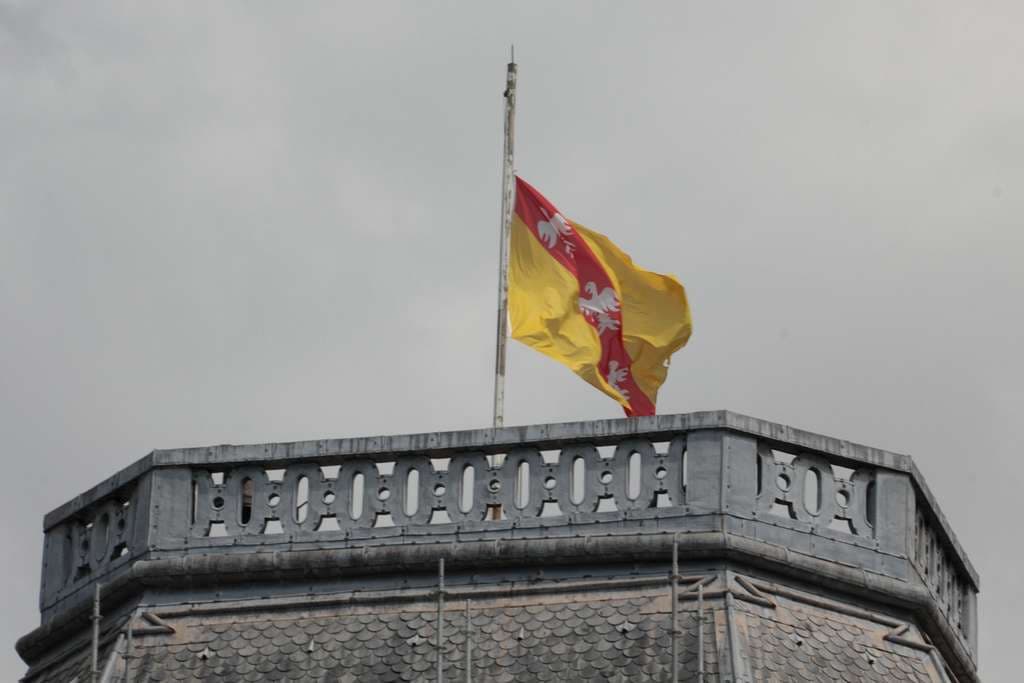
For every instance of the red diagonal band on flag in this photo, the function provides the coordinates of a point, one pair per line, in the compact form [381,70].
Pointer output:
[600,301]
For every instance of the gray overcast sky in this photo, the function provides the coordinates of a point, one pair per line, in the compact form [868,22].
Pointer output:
[248,222]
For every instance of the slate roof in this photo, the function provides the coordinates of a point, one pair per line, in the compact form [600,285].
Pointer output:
[76,668]
[605,640]
[795,644]
[612,636]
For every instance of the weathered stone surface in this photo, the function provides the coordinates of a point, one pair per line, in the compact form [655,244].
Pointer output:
[267,524]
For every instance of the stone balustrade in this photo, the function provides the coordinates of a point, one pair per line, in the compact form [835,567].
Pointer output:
[759,486]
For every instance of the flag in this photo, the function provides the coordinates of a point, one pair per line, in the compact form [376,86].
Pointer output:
[578,298]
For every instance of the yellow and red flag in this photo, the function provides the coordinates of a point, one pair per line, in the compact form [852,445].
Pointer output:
[576,297]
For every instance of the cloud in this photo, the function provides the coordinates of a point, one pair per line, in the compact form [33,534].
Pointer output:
[247,223]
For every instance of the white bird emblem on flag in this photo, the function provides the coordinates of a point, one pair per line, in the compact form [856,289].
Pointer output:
[606,322]
[551,230]
[599,302]
[616,375]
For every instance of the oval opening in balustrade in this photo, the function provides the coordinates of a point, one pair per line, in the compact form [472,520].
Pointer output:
[246,501]
[684,474]
[412,492]
[577,480]
[870,503]
[633,476]
[760,471]
[812,491]
[301,498]
[356,508]
[522,485]
[466,494]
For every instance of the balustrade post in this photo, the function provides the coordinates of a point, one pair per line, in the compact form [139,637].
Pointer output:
[739,474]
[170,506]
[894,512]
[722,473]
[970,617]
[704,485]
[57,563]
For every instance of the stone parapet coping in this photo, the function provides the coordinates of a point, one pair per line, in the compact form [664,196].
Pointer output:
[544,436]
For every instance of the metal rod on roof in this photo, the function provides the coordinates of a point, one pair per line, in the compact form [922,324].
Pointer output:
[675,608]
[440,619]
[109,672]
[96,635]
[469,646]
[731,633]
[700,632]
[128,649]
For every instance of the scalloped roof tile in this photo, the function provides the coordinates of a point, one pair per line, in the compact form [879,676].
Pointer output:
[581,636]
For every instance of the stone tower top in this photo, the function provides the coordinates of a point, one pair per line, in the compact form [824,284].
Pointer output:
[763,516]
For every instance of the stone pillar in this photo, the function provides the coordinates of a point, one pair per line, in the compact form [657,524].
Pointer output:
[170,508]
[704,470]
[894,512]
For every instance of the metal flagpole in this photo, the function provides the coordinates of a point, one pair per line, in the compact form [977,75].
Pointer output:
[507,199]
